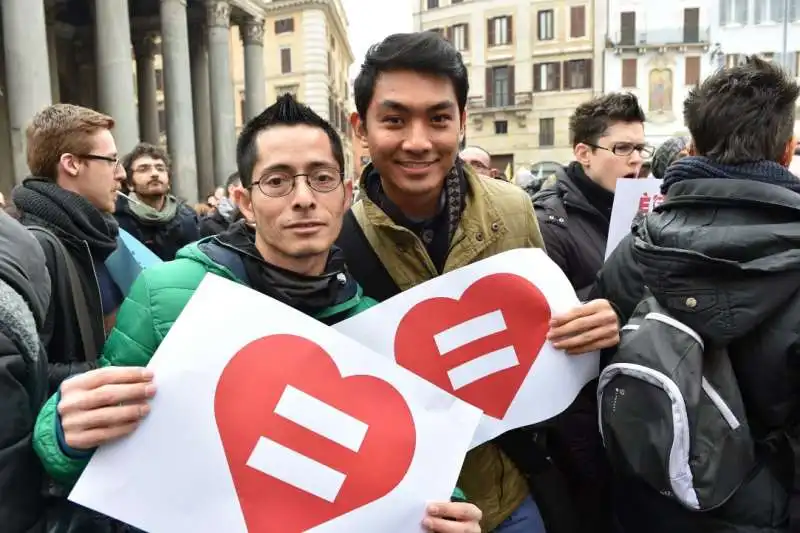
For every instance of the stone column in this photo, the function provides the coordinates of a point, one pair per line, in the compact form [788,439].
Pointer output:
[144,46]
[223,107]
[52,52]
[202,109]
[178,101]
[27,72]
[254,80]
[116,95]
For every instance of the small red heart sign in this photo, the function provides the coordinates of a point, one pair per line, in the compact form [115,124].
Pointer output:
[303,444]
[505,323]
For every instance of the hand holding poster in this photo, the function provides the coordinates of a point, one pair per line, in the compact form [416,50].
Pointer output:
[278,424]
[631,198]
[480,333]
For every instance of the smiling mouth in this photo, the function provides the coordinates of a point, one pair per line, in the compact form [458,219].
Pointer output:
[416,164]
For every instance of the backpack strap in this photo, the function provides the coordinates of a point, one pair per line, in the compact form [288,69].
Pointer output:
[362,261]
[78,296]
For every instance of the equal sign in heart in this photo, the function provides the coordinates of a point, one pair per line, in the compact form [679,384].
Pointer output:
[296,469]
[475,329]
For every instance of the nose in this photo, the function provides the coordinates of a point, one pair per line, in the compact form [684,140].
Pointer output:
[418,139]
[636,157]
[303,195]
[119,173]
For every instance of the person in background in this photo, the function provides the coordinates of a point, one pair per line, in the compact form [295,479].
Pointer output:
[479,159]
[670,151]
[68,204]
[203,210]
[226,212]
[149,212]
[24,300]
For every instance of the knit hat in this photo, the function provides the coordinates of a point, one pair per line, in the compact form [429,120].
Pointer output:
[666,154]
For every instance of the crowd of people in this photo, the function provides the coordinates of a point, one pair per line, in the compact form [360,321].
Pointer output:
[719,254]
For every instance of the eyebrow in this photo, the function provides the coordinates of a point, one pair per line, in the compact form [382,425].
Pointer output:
[444,105]
[313,165]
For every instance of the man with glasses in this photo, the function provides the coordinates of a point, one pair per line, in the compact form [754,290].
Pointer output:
[293,199]
[149,213]
[68,204]
[574,213]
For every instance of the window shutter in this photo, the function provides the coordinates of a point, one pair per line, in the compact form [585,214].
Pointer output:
[448,31]
[511,89]
[466,36]
[490,32]
[510,28]
[692,70]
[537,77]
[558,85]
[589,66]
[489,86]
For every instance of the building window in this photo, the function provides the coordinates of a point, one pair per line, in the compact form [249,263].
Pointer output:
[692,67]
[284,25]
[734,11]
[578,74]
[547,77]
[772,10]
[691,25]
[545,26]
[629,74]
[577,22]
[500,30]
[547,132]
[500,86]
[159,79]
[286,60]
[162,121]
[627,28]
[433,4]
[280,90]
[500,127]
[458,34]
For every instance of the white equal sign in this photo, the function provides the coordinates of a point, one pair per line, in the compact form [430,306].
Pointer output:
[468,332]
[296,469]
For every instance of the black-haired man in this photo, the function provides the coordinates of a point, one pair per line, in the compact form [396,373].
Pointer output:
[721,254]
[425,212]
[226,211]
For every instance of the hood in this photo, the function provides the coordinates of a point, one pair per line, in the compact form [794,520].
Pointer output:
[23,266]
[722,255]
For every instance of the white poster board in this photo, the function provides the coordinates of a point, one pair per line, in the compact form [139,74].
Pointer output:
[266,420]
[479,333]
[632,197]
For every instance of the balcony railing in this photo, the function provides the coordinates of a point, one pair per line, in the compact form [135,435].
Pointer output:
[521,100]
[660,37]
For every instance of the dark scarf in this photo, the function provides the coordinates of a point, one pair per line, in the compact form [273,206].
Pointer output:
[308,294]
[696,167]
[597,196]
[436,232]
[70,213]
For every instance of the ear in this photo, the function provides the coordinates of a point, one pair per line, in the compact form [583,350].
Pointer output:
[359,127]
[463,118]
[69,165]
[348,193]
[788,154]
[244,200]
[582,152]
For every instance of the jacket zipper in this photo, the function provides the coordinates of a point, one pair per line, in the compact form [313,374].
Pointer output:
[99,292]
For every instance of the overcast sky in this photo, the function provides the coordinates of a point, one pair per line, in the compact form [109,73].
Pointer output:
[372,20]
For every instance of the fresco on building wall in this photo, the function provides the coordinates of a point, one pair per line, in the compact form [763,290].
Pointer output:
[660,90]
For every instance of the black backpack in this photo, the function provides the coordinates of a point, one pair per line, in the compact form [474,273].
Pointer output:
[671,413]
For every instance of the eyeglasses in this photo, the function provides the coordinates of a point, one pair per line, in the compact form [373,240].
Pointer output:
[278,184]
[626,149]
[108,159]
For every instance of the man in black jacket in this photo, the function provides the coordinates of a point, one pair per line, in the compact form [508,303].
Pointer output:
[608,142]
[722,255]
[227,210]
[68,204]
[24,297]
[149,212]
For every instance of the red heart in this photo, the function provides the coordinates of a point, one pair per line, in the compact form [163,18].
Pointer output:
[247,394]
[526,314]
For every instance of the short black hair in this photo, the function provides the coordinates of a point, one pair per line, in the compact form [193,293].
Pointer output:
[140,150]
[426,52]
[591,119]
[743,113]
[286,111]
[233,179]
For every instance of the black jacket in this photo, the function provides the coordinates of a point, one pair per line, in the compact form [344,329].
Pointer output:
[60,333]
[162,238]
[723,256]
[215,223]
[574,228]
[24,296]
